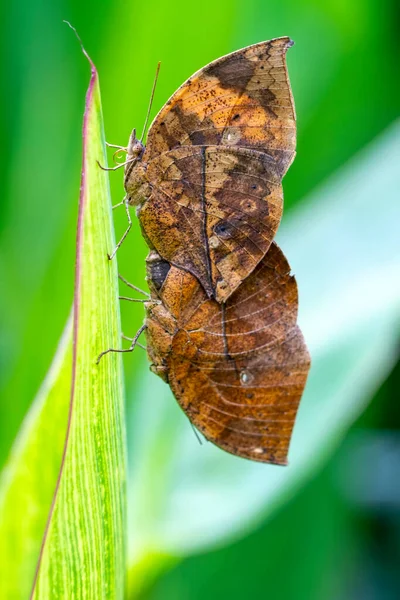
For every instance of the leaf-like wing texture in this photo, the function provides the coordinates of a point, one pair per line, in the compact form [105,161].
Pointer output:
[214,211]
[209,182]
[242,99]
[238,370]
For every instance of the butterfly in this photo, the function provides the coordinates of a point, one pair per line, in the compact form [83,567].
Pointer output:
[221,320]
[237,369]
[208,183]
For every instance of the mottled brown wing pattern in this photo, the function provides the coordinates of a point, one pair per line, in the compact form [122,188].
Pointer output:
[237,370]
[242,99]
[214,212]
[221,324]
[208,183]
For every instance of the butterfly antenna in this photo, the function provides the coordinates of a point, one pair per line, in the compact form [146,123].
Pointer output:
[151,101]
[196,434]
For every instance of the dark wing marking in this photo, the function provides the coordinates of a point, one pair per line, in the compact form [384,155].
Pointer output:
[214,211]
[242,99]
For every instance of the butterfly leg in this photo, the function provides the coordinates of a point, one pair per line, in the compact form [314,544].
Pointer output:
[126,202]
[147,296]
[118,166]
[129,339]
[116,146]
[134,287]
[131,348]
[133,299]
[119,204]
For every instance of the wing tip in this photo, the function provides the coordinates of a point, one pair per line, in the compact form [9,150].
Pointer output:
[284,40]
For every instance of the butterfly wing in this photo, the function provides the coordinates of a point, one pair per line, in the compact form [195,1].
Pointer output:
[242,99]
[215,158]
[239,370]
[214,212]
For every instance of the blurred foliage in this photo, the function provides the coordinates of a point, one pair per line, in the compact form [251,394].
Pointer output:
[344,70]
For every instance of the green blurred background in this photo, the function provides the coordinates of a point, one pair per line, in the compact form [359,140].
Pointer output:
[337,535]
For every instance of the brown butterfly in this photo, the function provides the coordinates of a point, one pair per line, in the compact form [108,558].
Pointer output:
[238,369]
[208,184]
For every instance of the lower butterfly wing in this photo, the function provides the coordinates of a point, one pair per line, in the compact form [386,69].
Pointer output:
[239,371]
[242,99]
[213,211]
[247,408]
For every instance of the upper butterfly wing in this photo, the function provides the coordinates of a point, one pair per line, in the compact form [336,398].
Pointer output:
[239,370]
[215,157]
[242,99]
[214,212]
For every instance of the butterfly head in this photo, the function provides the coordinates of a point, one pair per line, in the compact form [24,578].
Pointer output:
[135,147]
[136,185]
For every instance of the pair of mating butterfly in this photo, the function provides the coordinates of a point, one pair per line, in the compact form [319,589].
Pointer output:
[221,319]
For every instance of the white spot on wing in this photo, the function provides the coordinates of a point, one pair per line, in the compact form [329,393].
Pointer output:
[244,377]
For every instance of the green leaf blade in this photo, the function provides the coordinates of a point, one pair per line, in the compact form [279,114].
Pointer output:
[27,482]
[83,553]
[63,493]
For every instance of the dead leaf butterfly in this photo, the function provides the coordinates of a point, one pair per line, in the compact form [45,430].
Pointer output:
[208,184]
[237,369]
